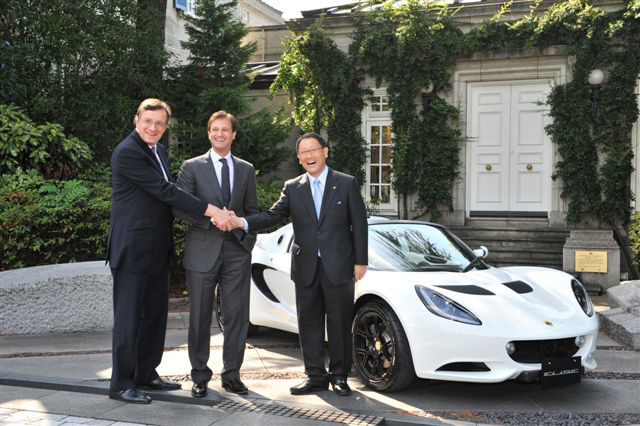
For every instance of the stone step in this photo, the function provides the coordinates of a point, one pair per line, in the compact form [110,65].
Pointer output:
[542,235]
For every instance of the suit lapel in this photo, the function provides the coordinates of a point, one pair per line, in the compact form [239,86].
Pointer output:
[210,176]
[146,150]
[330,189]
[304,190]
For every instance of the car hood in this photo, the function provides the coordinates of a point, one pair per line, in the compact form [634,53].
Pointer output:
[516,297]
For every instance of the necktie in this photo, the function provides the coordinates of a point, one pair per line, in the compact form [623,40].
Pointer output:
[317,196]
[225,185]
[155,153]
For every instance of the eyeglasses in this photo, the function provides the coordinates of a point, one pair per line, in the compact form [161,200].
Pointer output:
[149,123]
[309,151]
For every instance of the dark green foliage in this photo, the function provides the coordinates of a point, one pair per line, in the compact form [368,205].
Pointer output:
[422,38]
[634,236]
[258,138]
[85,65]
[49,221]
[44,147]
[323,85]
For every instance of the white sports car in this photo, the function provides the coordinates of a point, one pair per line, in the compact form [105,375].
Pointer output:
[429,306]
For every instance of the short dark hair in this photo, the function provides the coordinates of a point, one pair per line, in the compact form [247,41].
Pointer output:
[222,114]
[313,135]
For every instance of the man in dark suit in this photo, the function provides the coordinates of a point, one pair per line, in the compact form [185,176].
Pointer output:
[329,255]
[140,251]
[213,257]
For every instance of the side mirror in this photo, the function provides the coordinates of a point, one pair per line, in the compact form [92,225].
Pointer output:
[481,252]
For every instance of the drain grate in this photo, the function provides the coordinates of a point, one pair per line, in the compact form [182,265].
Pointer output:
[300,413]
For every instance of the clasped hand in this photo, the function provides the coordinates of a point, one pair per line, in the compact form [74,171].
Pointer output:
[226,220]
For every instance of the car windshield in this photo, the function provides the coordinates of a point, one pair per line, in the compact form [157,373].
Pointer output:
[412,247]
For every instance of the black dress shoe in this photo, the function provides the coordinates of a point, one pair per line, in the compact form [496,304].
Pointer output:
[235,386]
[199,390]
[340,387]
[309,385]
[131,395]
[159,384]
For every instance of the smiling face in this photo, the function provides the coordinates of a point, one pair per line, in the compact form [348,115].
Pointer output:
[221,135]
[151,125]
[312,156]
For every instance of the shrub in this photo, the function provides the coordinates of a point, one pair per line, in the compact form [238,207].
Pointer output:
[43,147]
[49,221]
[634,236]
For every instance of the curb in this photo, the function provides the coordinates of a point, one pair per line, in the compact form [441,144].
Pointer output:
[213,399]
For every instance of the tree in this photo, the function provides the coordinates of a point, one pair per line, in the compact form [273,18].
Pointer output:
[214,78]
[83,64]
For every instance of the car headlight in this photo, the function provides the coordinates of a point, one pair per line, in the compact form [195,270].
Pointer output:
[582,297]
[444,307]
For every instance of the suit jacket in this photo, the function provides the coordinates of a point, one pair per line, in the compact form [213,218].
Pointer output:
[140,232]
[340,234]
[198,177]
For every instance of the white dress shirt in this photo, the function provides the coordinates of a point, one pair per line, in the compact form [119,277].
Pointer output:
[217,165]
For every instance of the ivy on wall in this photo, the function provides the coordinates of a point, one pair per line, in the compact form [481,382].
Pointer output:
[414,46]
[395,45]
[324,87]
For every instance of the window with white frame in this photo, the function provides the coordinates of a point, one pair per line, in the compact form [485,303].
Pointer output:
[377,130]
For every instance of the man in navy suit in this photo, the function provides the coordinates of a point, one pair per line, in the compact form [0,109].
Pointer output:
[140,251]
[329,255]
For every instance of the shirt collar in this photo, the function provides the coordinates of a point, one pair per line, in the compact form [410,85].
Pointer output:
[322,177]
[216,158]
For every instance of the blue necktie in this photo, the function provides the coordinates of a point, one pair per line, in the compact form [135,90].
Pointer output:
[317,196]
[225,185]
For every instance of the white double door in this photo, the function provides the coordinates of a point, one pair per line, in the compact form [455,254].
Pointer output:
[509,161]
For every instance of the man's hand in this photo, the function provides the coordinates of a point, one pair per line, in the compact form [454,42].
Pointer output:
[359,271]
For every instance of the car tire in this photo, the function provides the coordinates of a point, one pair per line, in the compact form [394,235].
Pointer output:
[381,352]
[217,310]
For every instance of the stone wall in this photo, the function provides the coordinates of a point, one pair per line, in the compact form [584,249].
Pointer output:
[56,298]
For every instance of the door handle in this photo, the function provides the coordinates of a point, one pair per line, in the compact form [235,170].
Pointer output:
[529,167]
[488,167]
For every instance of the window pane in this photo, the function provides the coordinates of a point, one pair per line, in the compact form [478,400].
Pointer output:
[375,174]
[386,174]
[375,154]
[375,135]
[374,192]
[387,132]
[385,107]
[386,154]
[386,194]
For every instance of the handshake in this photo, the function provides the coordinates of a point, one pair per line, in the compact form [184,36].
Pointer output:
[226,220]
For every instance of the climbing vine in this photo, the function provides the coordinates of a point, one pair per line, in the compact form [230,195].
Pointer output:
[415,46]
[395,46]
[324,87]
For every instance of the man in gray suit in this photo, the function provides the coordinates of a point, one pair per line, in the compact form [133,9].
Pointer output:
[329,256]
[213,257]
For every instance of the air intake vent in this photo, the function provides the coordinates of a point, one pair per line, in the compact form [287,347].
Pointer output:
[519,287]
[257,271]
[464,366]
[468,289]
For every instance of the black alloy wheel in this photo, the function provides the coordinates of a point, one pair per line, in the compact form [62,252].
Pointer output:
[381,352]
[217,310]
